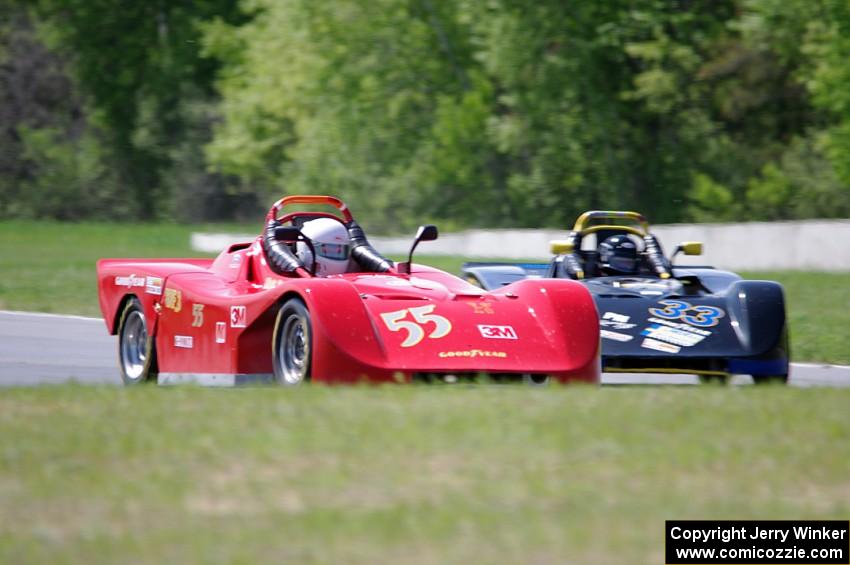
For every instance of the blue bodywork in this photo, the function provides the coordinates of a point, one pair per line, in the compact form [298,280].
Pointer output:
[702,320]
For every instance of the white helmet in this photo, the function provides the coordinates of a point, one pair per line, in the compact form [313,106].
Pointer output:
[330,240]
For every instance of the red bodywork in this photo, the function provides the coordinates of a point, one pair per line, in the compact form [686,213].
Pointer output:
[215,318]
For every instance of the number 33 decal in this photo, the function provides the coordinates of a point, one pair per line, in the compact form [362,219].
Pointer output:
[700,316]
[422,315]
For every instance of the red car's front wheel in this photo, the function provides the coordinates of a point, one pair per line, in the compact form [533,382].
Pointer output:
[292,347]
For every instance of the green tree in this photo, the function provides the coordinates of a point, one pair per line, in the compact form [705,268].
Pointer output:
[139,63]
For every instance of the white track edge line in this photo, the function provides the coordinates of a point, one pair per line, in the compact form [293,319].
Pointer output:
[48,315]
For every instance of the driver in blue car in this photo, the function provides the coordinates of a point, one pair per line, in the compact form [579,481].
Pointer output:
[618,255]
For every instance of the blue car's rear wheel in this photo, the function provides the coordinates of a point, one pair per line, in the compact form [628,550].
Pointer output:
[770,379]
[292,347]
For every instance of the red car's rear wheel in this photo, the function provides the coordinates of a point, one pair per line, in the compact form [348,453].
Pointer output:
[136,351]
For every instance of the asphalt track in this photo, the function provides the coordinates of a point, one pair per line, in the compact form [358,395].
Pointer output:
[50,349]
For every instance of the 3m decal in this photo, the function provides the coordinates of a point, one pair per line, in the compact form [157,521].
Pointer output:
[173,299]
[497,332]
[616,336]
[395,321]
[699,316]
[481,307]
[220,332]
[675,336]
[130,281]
[650,343]
[472,353]
[183,341]
[197,315]
[238,316]
[153,285]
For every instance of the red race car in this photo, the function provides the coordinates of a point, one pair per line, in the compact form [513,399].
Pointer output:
[311,299]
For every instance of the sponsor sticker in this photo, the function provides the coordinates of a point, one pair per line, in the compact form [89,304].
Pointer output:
[238,316]
[220,332]
[675,336]
[481,307]
[271,283]
[650,343]
[616,336]
[173,299]
[614,317]
[153,285]
[616,321]
[197,315]
[497,332]
[684,327]
[472,353]
[183,341]
[235,261]
[130,281]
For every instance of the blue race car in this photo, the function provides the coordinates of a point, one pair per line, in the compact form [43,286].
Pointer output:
[656,317]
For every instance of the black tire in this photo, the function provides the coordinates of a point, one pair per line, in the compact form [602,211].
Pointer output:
[770,379]
[136,349]
[292,346]
[536,379]
[713,379]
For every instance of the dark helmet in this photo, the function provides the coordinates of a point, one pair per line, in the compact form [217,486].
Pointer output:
[618,255]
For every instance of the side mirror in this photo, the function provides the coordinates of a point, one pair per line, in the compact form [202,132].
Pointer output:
[688,248]
[561,247]
[691,247]
[427,232]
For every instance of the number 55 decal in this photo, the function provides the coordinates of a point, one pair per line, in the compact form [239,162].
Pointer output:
[395,321]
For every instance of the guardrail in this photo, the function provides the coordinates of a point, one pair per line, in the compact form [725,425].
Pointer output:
[819,245]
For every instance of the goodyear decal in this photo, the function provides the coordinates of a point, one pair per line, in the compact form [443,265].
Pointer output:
[130,281]
[472,353]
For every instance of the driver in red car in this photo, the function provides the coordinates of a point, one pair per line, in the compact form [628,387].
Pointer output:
[331,242]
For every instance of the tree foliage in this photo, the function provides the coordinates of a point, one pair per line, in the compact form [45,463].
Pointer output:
[490,113]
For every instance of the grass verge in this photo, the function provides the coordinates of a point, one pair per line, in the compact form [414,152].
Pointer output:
[49,267]
[405,474]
